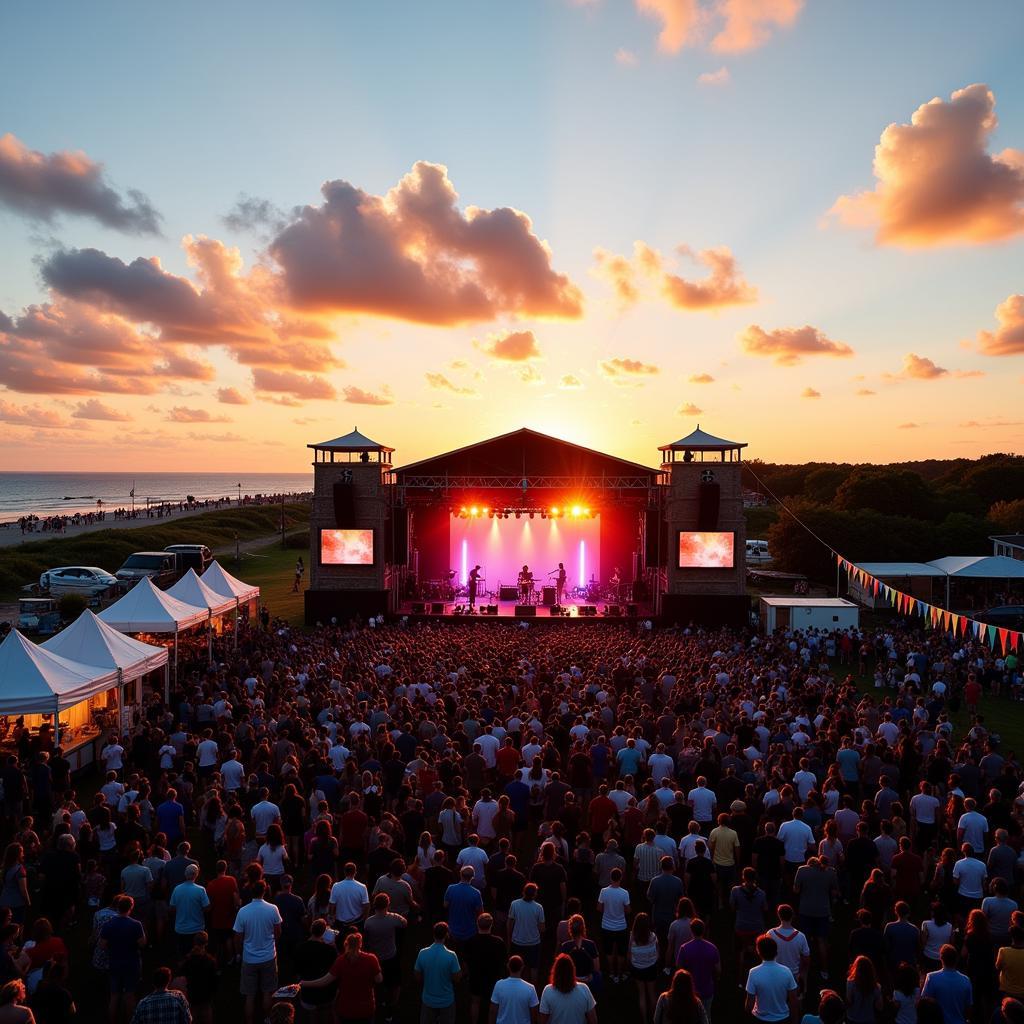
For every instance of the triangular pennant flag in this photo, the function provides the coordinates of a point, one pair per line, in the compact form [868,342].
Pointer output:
[964,624]
[876,587]
[1003,633]
[913,603]
[991,636]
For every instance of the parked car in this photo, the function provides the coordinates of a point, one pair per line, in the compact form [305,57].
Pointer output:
[38,615]
[160,566]
[192,556]
[77,579]
[758,553]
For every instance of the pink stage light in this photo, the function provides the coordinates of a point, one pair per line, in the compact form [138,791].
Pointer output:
[465,562]
[583,563]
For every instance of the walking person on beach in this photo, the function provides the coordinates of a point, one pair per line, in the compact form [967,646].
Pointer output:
[300,571]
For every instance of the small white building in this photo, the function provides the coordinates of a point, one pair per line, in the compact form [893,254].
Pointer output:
[808,613]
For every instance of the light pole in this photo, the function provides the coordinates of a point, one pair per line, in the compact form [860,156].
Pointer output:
[239,485]
[282,520]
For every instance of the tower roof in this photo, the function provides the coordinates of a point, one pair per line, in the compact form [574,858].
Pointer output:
[353,442]
[701,441]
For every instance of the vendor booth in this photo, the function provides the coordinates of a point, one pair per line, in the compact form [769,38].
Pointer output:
[90,641]
[147,612]
[60,701]
[245,596]
[193,591]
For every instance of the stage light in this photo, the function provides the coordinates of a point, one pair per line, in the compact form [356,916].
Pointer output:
[463,511]
[554,510]
[487,511]
[474,511]
[576,510]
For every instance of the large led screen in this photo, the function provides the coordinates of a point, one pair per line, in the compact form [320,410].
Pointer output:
[706,550]
[346,547]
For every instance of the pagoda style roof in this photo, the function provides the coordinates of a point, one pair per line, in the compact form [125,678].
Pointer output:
[352,442]
[701,441]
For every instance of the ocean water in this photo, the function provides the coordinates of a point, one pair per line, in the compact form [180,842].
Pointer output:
[44,494]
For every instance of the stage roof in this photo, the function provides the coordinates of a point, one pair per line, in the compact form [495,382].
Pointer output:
[524,453]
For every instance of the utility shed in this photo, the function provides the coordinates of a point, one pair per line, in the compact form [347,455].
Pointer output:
[808,613]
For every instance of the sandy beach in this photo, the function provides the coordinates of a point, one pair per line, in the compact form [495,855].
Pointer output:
[11,535]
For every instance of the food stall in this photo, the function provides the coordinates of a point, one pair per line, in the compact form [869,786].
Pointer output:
[246,596]
[59,701]
[192,590]
[146,610]
[91,641]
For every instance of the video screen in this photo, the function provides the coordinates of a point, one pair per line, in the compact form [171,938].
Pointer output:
[706,550]
[346,547]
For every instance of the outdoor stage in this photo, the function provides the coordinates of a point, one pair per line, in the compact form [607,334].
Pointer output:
[577,611]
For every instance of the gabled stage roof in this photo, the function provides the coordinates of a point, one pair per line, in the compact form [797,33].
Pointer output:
[524,453]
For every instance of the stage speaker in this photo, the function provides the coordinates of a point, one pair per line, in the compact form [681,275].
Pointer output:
[548,596]
[488,609]
[526,610]
[709,496]
[588,609]
[652,537]
[400,555]
[437,608]
[344,505]
[631,610]
[506,593]
[613,609]
[419,608]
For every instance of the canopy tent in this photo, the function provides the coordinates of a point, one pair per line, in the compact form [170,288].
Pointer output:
[895,570]
[144,609]
[217,578]
[91,641]
[192,590]
[34,681]
[980,567]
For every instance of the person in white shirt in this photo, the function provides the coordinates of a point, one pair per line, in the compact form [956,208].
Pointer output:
[797,837]
[264,814]
[476,858]
[970,875]
[489,745]
[973,826]
[513,998]
[772,991]
[349,900]
[484,811]
[613,906]
[112,755]
[208,754]
[232,772]
[794,951]
[703,801]
[258,926]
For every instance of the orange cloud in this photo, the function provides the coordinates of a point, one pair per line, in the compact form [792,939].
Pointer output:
[183,414]
[358,396]
[789,345]
[294,385]
[864,392]
[1008,338]
[917,367]
[570,382]
[440,382]
[615,369]
[413,255]
[231,396]
[31,416]
[937,184]
[701,378]
[516,347]
[42,185]
[908,426]
[94,409]
[724,286]
[688,409]
[738,25]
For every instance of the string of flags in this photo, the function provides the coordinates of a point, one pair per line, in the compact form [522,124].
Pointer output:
[933,616]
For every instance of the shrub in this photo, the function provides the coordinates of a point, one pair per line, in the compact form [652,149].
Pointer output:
[71,606]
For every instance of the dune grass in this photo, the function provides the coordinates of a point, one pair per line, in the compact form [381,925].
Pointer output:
[109,548]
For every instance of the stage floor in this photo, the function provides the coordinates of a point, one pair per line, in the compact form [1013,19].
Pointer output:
[512,610]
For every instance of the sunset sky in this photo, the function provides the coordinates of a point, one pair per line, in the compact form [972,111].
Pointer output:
[231,229]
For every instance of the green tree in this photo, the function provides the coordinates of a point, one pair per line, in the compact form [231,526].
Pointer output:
[1007,516]
[892,491]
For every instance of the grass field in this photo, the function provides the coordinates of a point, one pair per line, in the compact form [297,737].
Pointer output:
[109,548]
[272,569]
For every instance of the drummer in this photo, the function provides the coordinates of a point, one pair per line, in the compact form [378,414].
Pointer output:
[526,585]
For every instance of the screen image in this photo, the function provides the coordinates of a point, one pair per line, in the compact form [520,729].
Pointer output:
[706,550]
[346,547]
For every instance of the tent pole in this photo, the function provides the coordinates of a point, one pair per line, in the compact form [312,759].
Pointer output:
[236,623]
[947,591]
[167,683]
[56,723]
[120,703]
[175,655]
[209,638]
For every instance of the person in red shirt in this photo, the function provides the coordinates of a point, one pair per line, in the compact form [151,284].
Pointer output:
[602,809]
[907,873]
[972,693]
[224,903]
[354,824]
[507,760]
[357,974]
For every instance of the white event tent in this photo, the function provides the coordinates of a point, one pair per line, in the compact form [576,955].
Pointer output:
[34,681]
[978,567]
[91,641]
[144,609]
[192,590]
[219,580]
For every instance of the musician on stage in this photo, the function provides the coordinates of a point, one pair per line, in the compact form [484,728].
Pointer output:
[526,585]
[616,583]
[474,580]
[560,577]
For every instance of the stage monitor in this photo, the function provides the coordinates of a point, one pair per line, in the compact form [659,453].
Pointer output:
[346,547]
[706,550]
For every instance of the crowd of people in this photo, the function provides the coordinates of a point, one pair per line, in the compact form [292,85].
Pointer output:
[479,822]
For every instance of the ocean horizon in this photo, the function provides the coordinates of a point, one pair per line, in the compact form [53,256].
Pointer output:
[45,493]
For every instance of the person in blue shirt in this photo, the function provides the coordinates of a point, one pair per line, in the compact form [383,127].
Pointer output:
[949,988]
[170,818]
[518,793]
[463,903]
[437,969]
[629,758]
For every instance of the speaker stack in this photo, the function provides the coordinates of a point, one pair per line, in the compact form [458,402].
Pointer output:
[588,609]
[419,608]
[613,609]
[526,611]
[437,608]
[488,609]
